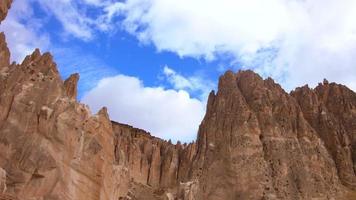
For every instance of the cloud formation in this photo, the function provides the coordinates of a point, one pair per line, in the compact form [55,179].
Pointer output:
[166,113]
[22,31]
[193,84]
[80,19]
[293,41]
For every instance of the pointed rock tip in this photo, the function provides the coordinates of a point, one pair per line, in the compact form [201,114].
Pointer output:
[247,74]
[229,73]
[33,56]
[70,85]
[304,88]
[103,112]
[325,82]
[227,79]
[74,76]
[4,52]
[36,53]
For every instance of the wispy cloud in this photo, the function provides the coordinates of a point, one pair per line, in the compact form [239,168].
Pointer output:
[294,41]
[91,68]
[193,84]
[23,31]
[81,19]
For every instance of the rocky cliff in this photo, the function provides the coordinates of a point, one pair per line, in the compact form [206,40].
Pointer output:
[256,142]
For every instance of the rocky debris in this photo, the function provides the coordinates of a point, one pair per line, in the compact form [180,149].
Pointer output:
[255,142]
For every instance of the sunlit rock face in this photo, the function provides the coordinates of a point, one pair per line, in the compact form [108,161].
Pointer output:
[256,142]
[51,146]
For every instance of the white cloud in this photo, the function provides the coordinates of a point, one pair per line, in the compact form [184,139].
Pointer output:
[192,84]
[82,18]
[168,114]
[22,31]
[79,18]
[74,21]
[294,41]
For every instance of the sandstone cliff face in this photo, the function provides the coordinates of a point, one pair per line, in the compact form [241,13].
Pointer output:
[255,142]
[51,147]
[151,161]
[331,110]
[253,130]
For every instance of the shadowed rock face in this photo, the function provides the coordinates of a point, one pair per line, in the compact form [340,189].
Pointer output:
[256,142]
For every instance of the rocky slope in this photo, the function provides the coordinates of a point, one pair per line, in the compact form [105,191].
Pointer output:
[255,142]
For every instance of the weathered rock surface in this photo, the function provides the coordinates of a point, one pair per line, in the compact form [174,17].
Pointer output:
[331,110]
[51,146]
[255,142]
[151,161]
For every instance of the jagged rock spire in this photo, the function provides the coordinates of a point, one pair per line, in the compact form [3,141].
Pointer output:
[70,85]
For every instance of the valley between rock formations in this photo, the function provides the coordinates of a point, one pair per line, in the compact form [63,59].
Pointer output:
[256,142]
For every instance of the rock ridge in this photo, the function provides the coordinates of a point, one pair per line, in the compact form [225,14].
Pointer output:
[256,141]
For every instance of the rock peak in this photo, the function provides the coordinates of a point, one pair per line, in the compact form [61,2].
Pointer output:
[70,85]
[255,142]
[4,52]
[325,82]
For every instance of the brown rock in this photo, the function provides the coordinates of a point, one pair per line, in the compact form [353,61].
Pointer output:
[51,147]
[4,7]
[331,110]
[256,142]
[4,53]
[151,161]
[70,85]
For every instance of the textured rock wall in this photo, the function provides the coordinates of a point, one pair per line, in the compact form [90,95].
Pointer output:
[255,142]
[52,147]
[253,130]
[331,110]
[152,161]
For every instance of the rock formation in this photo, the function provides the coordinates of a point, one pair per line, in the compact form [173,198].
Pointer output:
[256,142]
[331,110]
[4,7]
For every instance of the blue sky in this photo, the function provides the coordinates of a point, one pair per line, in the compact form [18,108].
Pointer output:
[153,62]
[118,52]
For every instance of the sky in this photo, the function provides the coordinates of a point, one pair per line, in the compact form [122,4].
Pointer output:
[152,63]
